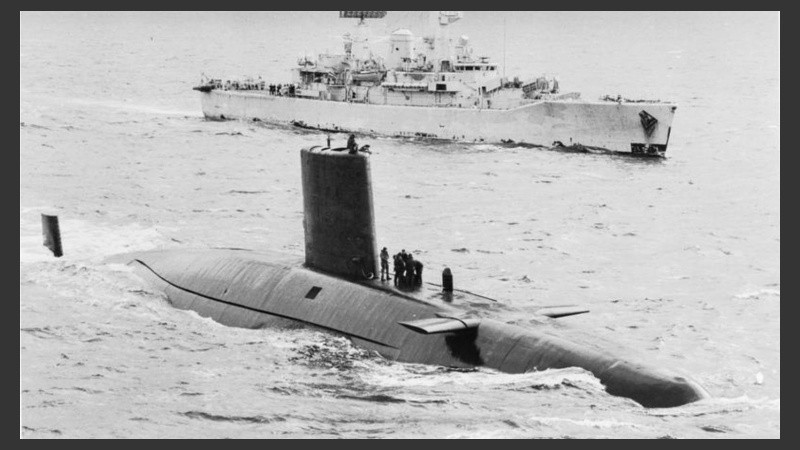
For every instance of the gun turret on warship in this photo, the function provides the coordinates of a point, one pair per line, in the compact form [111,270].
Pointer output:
[432,86]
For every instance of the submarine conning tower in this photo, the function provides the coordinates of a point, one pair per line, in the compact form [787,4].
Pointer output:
[338,216]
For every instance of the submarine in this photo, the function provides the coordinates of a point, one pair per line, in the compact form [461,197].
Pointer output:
[334,288]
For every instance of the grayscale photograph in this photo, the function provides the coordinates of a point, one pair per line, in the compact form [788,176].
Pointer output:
[399,224]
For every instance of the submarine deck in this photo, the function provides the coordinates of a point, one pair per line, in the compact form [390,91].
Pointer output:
[459,301]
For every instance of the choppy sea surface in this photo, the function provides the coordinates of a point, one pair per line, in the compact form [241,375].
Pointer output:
[678,259]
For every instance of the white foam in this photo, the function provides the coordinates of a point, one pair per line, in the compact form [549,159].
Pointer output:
[419,375]
[122,105]
[603,423]
[117,267]
[765,402]
[760,294]
[484,434]
[718,405]
[486,147]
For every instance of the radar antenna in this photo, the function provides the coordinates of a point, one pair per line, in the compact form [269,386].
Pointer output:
[362,15]
[448,17]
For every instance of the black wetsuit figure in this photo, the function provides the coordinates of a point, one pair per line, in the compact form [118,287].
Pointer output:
[410,271]
[399,268]
[417,273]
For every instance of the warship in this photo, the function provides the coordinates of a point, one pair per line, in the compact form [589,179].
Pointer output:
[335,290]
[433,87]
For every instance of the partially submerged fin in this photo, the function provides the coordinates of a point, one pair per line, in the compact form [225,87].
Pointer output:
[441,324]
[52,234]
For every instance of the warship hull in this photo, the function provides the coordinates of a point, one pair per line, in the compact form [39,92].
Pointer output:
[609,126]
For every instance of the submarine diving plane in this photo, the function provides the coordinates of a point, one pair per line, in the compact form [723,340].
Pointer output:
[334,289]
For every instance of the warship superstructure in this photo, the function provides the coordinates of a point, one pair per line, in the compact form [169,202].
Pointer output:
[432,86]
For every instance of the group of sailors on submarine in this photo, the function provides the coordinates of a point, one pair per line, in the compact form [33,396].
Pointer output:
[407,270]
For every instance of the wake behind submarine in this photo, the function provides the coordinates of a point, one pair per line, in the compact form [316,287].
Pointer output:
[334,289]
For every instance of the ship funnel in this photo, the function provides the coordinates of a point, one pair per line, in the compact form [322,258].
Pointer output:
[338,216]
[401,48]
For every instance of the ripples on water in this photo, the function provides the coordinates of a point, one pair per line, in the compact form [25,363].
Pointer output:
[678,259]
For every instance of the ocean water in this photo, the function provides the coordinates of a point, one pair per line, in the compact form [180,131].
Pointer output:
[678,259]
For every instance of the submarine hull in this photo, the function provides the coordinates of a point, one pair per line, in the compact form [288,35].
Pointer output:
[257,290]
